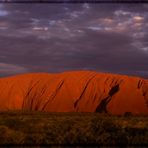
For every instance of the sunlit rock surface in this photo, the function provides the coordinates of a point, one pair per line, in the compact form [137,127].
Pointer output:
[78,91]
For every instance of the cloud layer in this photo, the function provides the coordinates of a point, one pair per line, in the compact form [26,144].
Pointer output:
[59,37]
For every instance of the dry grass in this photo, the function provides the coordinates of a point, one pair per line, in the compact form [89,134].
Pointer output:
[64,129]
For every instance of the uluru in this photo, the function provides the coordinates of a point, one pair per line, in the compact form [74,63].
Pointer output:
[75,91]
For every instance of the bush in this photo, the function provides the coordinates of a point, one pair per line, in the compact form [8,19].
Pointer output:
[73,128]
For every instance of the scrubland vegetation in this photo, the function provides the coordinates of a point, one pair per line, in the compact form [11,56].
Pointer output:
[68,129]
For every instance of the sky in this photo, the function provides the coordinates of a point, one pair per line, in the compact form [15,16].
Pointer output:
[65,37]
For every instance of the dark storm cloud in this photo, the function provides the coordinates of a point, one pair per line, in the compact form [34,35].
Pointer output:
[59,37]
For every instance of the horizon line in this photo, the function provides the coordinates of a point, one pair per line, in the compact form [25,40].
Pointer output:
[71,71]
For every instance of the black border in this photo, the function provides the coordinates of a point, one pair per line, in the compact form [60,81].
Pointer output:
[76,145]
[73,1]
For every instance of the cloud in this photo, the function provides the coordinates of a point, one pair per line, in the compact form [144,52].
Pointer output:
[138,18]
[3,12]
[40,28]
[122,13]
[53,38]
[7,69]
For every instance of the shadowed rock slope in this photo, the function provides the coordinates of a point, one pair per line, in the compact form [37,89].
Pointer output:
[79,91]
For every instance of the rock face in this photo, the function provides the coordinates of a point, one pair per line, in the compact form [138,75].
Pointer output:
[79,91]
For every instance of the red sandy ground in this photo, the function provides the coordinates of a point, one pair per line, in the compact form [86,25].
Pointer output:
[79,91]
